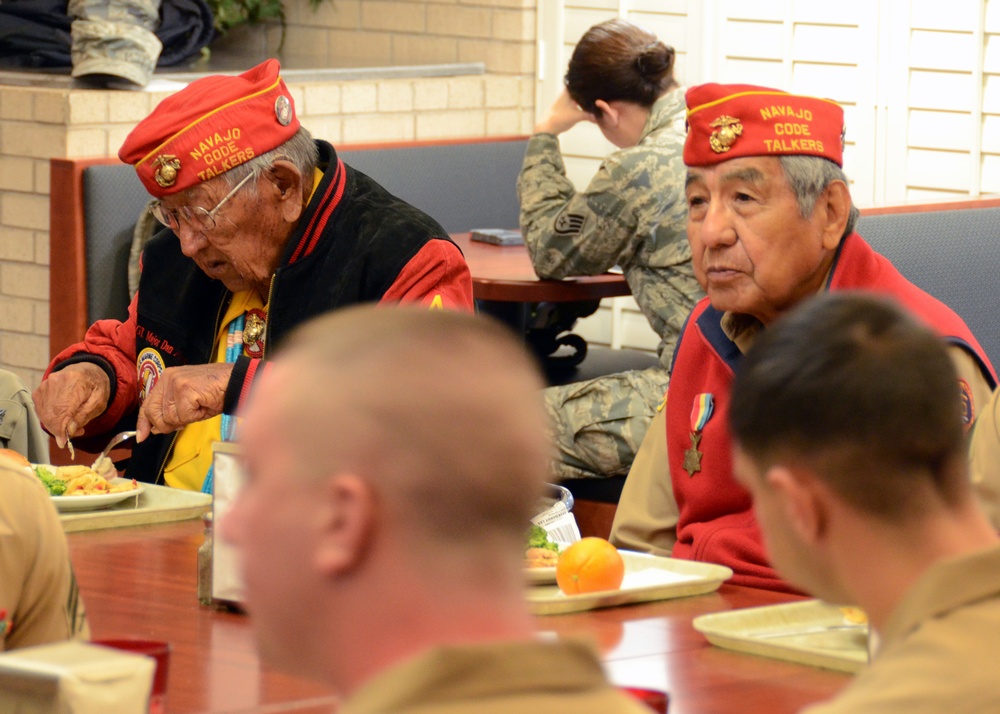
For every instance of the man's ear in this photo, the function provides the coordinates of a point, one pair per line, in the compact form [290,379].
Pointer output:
[609,116]
[835,204]
[290,187]
[346,523]
[802,499]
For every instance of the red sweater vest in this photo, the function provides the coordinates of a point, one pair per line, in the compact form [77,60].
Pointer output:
[717,523]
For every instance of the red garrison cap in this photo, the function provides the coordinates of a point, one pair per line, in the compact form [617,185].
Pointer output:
[209,127]
[726,121]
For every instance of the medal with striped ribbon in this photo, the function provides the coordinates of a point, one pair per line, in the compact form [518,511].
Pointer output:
[701,412]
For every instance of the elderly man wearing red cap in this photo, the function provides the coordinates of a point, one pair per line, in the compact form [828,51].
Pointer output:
[267,227]
[771,223]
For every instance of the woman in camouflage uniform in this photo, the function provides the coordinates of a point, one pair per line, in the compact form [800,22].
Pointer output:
[632,214]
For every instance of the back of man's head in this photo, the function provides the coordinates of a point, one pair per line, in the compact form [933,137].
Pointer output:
[440,411]
[867,398]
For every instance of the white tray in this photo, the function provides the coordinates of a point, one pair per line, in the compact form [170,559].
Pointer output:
[808,632]
[156,504]
[647,578]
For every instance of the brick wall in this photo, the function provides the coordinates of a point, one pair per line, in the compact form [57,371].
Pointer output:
[36,124]
[500,33]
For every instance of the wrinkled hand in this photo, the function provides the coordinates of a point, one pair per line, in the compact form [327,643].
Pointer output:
[564,114]
[182,396]
[70,398]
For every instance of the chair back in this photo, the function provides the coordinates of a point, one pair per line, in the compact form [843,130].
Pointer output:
[950,250]
[463,184]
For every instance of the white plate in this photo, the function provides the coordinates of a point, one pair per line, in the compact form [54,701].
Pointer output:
[543,576]
[96,501]
[540,576]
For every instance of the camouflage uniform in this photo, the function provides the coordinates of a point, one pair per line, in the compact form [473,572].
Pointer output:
[19,426]
[114,39]
[632,214]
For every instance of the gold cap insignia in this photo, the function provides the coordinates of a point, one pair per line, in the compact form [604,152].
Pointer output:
[727,129]
[166,168]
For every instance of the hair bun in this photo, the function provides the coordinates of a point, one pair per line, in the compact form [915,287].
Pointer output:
[655,60]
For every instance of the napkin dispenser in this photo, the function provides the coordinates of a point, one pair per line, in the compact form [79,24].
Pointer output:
[74,678]
[228,479]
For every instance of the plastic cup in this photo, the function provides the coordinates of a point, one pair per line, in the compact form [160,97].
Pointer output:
[159,651]
[656,700]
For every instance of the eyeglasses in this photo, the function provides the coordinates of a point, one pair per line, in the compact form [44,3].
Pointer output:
[195,216]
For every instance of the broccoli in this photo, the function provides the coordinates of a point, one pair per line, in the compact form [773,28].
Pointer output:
[56,487]
[538,538]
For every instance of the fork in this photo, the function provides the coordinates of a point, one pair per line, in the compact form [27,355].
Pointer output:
[115,441]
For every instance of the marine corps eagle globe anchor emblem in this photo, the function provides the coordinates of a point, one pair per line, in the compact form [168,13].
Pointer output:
[727,130]
[166,168]
[253,333]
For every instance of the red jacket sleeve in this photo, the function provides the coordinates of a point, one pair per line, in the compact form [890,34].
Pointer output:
[437,276]
[111,345]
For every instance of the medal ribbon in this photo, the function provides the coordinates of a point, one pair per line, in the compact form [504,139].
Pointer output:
[701,411]
[234,348]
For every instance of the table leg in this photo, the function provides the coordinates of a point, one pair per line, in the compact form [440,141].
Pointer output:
[513,314]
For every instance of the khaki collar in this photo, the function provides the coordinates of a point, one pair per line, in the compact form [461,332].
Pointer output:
[944,587]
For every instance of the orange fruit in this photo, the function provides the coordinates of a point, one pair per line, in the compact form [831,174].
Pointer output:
[590,565]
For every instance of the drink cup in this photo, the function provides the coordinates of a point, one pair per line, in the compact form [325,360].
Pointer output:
[656,700]
[159,651]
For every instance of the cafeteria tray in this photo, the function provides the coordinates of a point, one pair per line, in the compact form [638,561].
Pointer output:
[156,504]
[808,632]
[647,578]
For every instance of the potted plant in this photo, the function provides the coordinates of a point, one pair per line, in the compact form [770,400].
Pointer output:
[230,14]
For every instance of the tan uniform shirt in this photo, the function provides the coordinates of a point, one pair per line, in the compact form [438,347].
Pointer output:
[501,678]
[20,430]
[984,457]
[38,593]
[939,648]
[646,519]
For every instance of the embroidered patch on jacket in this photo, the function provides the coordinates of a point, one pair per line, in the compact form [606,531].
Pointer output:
[3,413]
[968,407]
[149,364]
[569,223]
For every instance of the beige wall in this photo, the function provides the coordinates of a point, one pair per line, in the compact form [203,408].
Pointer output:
[500,33]
[36,124]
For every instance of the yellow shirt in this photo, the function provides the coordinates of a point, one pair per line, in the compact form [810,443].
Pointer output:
[192,455]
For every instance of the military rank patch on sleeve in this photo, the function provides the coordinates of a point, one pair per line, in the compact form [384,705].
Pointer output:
[568,224]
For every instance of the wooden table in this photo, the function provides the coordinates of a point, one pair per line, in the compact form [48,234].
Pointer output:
[505,274]
[141,582]
[505,285]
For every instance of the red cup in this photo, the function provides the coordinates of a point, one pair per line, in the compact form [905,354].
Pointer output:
[160,652]
[656,700]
